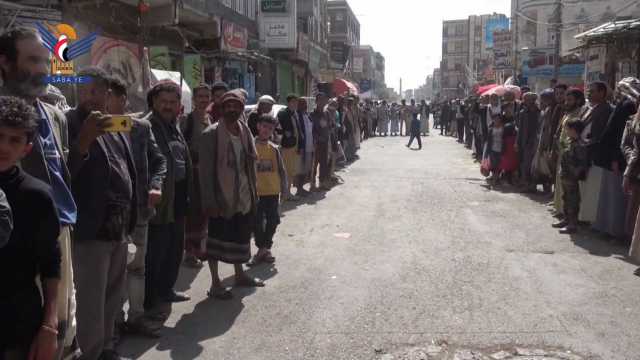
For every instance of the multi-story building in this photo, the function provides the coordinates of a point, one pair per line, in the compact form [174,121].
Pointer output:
[344,34]
[437,81]
[379,76]
[502,59]
[364,67]
[534,35]
[455,55]
[313,23]
[481,42]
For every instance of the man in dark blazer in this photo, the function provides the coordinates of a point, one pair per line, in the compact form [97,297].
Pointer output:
[104,181]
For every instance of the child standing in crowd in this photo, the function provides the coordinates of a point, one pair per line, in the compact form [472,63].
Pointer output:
[496,146]
[271,184]
[28,315]
[573,168]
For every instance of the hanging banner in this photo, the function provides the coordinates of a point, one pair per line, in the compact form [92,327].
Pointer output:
[193,70]
[234,36]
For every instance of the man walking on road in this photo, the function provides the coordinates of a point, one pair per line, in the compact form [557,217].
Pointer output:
[415,132]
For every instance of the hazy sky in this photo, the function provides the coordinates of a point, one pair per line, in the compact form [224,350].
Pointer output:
[409,32]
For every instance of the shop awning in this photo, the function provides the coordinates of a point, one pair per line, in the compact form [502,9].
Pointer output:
[342,87]
[610,28]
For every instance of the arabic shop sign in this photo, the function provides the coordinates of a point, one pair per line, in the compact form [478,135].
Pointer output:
[273,6]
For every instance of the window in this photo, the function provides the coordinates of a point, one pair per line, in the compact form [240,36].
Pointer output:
[459,46]
[460,29]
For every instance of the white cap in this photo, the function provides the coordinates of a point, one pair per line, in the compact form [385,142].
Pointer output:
[266,99]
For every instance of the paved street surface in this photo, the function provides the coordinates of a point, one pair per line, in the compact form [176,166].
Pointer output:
[412,258]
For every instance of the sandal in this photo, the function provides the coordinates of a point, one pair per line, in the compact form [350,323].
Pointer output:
[637,272]
[220,293]
[249,282]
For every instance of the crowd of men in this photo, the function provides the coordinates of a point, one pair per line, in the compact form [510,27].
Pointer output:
[100,207]
[581,151]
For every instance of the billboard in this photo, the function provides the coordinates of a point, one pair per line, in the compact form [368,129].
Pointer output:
[492,25]
[538,63]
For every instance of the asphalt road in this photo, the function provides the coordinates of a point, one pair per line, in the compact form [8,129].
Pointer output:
[413,249]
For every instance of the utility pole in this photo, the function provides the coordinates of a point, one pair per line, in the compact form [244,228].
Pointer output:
[558,35]
[401,94]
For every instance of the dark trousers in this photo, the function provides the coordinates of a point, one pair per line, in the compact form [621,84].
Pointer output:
[415,135]
[443,127]
[571,199]
[164,255]
[460,129]
[322,157]
[267,221]
[468,136]
[479,145]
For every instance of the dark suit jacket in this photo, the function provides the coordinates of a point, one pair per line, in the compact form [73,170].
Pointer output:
[151,165]
[288,120]
[89,174]
[165,210]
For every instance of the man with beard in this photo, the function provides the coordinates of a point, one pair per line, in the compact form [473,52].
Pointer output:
[305,148]
[104,182]
[265,105]
[444,118]
[167,227]
[573,106]
[24,61]
[215,108]
[527,139]
[321,119]
[595,121]
[196,222]
[151,168]
[290,144]
[543,171]
[229,193]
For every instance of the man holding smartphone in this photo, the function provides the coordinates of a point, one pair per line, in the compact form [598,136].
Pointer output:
[104,181]
[151,169]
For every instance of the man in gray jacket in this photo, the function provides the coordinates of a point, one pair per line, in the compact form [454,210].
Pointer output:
[151,169]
